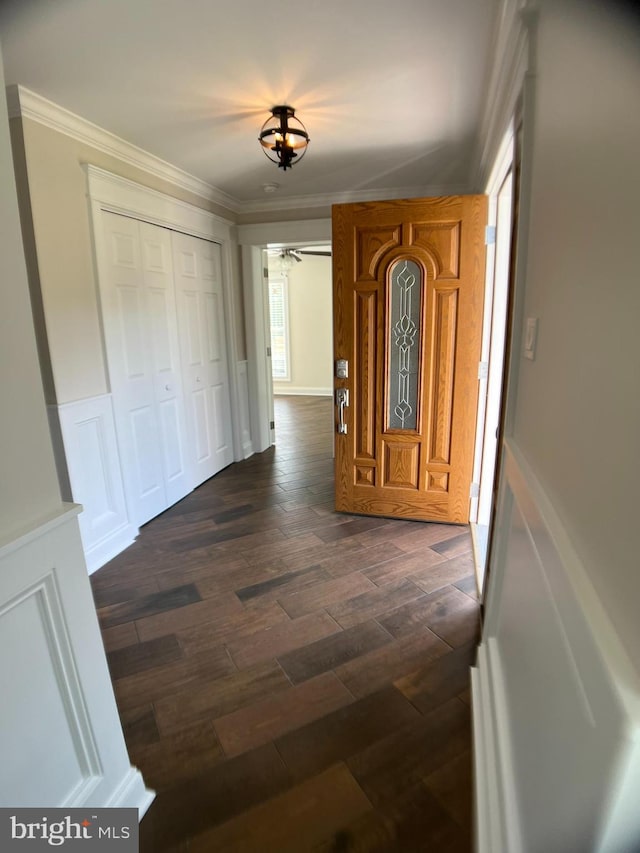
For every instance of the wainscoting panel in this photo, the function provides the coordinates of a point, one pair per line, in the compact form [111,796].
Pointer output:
[245,423]
[93,464]
[555,697]
[61,740]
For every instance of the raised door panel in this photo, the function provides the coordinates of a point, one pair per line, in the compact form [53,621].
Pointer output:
[130,356]
[163,329]
[213,330]
[193,347]
[201,321]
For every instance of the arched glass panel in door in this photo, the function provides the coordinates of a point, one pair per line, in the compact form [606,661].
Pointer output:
[404,335]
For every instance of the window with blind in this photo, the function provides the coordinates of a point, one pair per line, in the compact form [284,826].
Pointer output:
[279,314]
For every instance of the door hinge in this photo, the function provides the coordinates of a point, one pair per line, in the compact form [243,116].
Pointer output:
[265,272]
[268,352]
[489,235]
[474,491]
[272,424]
[483,370]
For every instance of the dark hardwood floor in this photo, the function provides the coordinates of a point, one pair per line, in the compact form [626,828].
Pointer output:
[290,678]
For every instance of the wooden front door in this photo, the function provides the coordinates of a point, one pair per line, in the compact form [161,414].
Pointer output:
[408,293]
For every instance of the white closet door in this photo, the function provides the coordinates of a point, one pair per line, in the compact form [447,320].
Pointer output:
[198,278]
[163,332]
[142,351]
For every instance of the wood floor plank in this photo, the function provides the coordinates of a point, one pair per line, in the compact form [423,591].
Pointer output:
[295,821]
[224,626]
[142,656]
[283,547]
[339,563]
[172,621]
[213,797]
[270,718]
[281,638]
[148,605]
[455,546]
[424,535]
[217,697]
[176,677]
[319,596]
[468,585]
[331,652]
[451,785]
[412,822]
[369,605]
[380,667]
[119,636]
[403,566]
[440,680]
[400,761]
[178,757]
[350,528]
[443,574]
[139,726]
[449,613]
[123,592]
[335,737]
[204,568]
[281,584]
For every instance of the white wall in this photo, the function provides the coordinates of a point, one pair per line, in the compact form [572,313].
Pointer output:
[577,416]
[311,328]
[28,482]
[557,688]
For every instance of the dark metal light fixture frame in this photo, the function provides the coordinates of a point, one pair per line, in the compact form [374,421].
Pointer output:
[283,137]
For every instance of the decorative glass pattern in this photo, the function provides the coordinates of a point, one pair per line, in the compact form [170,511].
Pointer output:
[404,345]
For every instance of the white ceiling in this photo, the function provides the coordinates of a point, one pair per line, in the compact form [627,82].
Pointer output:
[390,92]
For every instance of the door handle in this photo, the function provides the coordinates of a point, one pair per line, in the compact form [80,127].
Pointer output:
[342,400]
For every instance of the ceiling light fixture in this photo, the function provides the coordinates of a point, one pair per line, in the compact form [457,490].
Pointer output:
[283,137]
[284,260]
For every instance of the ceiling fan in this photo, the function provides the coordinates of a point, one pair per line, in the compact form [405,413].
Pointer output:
[297,254]
[285,258]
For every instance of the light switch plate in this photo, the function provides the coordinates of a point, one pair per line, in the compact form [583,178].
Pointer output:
[530,337]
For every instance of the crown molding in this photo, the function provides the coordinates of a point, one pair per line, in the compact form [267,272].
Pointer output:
[512,61]
[24,103]
[350,196]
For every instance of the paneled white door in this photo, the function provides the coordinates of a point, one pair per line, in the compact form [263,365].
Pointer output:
[143,353]
[198,279]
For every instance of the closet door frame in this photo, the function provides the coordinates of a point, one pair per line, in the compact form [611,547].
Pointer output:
[114,194]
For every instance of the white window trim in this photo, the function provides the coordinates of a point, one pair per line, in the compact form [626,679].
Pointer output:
[281,278]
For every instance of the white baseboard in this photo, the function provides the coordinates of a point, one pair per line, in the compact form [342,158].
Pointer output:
[284,391]
[245,422]
[132,793]
[115,543]
[496,814]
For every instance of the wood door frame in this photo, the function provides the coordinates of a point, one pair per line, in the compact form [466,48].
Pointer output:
[497,276]
[253,240]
